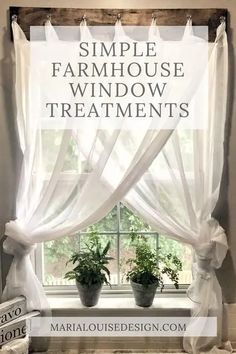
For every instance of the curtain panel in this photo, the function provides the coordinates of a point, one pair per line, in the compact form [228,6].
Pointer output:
[171,178]
[179,192]
[43,213]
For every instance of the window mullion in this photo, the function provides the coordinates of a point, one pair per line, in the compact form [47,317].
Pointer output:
[118,244]
[157,247]
[157,242]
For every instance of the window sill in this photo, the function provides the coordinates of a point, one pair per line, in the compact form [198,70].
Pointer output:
[125,306]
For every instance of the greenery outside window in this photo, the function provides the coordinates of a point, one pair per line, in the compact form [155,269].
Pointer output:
[116,227]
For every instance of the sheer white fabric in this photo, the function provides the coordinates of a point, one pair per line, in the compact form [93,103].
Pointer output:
[175,191]
[178,193]
[43,211]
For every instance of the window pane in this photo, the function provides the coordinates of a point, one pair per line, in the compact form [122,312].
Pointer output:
[127,251]
[129,220]
[107,224]
[74,161]
[112,253]
[56,254]
[183,252]
[51,140]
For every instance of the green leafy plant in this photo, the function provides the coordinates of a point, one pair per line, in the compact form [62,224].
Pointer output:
[148,267]
[91,262]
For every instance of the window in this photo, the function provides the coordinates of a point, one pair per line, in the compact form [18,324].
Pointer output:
[51,258]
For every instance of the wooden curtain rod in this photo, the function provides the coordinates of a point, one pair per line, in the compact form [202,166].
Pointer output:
[36,16]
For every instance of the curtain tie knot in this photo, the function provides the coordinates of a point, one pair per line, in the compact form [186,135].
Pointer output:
[18,241]
[210,251]
[14,248]
[204,267]
[212,246]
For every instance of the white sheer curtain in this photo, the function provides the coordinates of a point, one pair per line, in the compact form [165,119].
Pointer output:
[175,191]
[178,193]
[56,197]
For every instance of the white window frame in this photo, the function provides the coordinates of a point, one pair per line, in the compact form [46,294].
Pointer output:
[117,289]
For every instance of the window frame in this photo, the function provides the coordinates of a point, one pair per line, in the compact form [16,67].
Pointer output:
[117,289]
[37,258]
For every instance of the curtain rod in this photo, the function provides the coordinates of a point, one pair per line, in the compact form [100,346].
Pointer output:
[36,16]
[49,16]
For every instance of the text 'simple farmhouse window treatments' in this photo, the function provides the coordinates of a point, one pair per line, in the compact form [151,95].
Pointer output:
[43,213]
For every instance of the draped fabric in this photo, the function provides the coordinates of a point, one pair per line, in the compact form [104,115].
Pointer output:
[178,193]
[171,178]
[43,212]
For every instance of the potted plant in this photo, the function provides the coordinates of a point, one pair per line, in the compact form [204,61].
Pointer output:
[147,270]
[90,271]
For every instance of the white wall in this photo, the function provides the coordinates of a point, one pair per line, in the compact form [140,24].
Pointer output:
[9,157]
